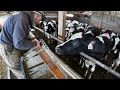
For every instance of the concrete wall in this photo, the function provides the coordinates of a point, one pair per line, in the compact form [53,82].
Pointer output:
[106,20]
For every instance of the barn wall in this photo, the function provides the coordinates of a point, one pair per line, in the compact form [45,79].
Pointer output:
[51,15]
[3,17]
[106,20]
[81,18]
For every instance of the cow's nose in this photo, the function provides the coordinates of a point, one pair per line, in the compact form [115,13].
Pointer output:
[57,49]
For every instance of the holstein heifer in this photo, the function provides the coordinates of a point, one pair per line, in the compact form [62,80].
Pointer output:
[116,61]
[115,39]
[71,31]
[115,57]
[95,47]
[52,27]
[71,28]
[49,27]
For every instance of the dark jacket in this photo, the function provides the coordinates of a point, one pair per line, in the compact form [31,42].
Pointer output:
[15,32]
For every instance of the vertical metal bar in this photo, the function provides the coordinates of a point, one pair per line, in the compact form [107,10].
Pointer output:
[8,73]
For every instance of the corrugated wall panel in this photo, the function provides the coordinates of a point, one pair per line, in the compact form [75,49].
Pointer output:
[106,20]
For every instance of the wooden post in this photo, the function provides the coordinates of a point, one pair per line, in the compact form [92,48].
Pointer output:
[61,24]
[101,18]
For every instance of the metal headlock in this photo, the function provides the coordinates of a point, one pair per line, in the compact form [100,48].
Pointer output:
[85,55]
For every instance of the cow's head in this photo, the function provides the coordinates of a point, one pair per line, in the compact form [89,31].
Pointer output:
[72,46]
[109,31]
[80,29]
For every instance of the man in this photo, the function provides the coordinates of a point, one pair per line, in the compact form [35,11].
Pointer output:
[14,39]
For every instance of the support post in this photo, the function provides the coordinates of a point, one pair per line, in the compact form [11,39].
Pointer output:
[61,24]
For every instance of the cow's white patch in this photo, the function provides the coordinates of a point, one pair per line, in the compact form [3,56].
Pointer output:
[113,34]
[71,29]
[33,30]
[106,35]
[77,35]
[80,28]
[89,32]
[70,25]
[75,22]
[54,21]
[67,29]
[115,51]
[51,24]
[100,38]
[116,42]
[80,24]
[90,46]
[103,30]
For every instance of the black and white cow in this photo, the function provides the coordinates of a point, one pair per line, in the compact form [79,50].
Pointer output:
[115,38]
[69,30]
[116,61]
[72,45]
[96,47]
[50,27]
[114,56]
[74,26]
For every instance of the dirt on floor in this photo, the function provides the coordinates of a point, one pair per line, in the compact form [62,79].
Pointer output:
[3,69]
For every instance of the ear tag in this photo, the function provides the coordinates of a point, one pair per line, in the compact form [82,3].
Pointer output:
[90,46]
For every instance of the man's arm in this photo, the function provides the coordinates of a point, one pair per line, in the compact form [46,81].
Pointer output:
[20,35]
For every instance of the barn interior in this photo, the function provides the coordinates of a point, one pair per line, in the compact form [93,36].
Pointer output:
[69,65]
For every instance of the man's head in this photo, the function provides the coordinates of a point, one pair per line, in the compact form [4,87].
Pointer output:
[37,16]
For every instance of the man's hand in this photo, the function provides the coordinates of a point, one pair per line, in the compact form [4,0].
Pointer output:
[38,45]
[33,39]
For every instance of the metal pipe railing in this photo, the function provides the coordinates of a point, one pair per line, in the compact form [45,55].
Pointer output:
[49,34]
[101,64]
[86,56]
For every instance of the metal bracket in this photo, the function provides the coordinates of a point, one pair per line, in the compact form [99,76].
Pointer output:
[24,58]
